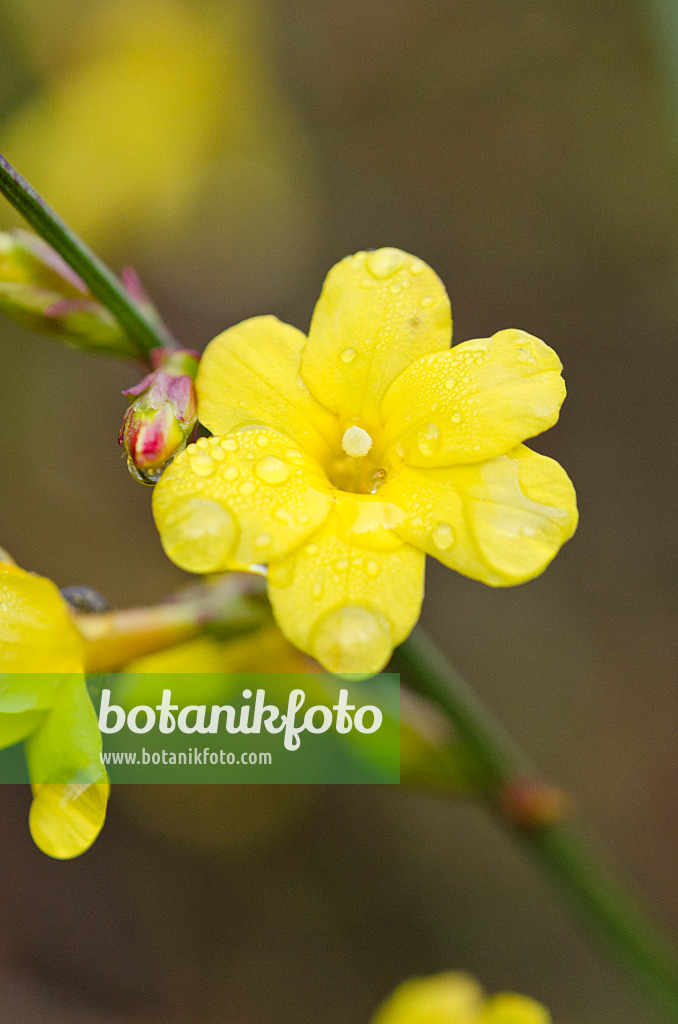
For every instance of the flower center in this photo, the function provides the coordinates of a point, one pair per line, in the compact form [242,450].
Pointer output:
[353,469]
[356,442]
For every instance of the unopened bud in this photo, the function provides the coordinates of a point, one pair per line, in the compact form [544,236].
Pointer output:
[39,290]
[162,415]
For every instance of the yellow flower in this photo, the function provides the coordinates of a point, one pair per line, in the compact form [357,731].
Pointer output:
[340,459]
[44,702]
[456,998]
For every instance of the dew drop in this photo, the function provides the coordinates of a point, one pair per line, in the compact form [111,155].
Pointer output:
[230,473]
[428,439]
[317,589]
[352,640]
[283,516]
[272,470]
[342,564]
[262,440]
[263,540]
[201,463]
[395,289]
[443,536]
[312,549]
[229,444]
[426,301]
[450,383]
[384,262]
[456,416]
[217,453]
[416,266]
[348,355]
[372,567]
[202,443]
[246,488]
[198,534]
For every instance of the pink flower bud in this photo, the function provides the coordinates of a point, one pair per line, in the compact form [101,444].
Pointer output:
[162,415]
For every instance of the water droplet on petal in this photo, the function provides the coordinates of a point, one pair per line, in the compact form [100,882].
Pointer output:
[283,516]
[312,549]
[317,589]
[262,440]
[372,567]
[384,262]
[428,439]
[352,640]
[342,564]
[247,488]
[202,443]
[272,470]
[229,444]
[456,417]
[217,453]
[443,536]
[348,355]
[263,540]
[198,534]
[201,463]
[230,473]
[426,301]
[416,266]
[450,383]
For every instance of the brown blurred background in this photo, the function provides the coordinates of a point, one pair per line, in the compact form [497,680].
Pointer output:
[233,152]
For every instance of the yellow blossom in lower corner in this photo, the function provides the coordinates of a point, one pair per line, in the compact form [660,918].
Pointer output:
[44,702]
[456,998]
[340,459]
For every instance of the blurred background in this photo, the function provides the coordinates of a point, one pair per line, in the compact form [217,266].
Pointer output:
[233,152]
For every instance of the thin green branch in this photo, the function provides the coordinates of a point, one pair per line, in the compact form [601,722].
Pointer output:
[598,895]
[102,283]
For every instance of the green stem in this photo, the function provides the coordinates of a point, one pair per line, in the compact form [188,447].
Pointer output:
[102,283]
[597,894]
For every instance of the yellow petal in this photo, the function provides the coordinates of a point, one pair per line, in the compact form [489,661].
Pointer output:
[345,603]
[239,500]
[377,312]
[250,375]
[500,521]
[66,819]
[510,1008]
[473,402]
[36,631]
[449,998]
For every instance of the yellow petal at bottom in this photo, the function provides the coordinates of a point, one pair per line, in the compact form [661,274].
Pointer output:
[344,604]
[448,998]
[66,819]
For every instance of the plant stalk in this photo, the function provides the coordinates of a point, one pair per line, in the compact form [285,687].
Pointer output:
[599,896]
[101,281]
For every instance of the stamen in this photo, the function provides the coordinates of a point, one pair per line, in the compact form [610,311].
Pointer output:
[356,442]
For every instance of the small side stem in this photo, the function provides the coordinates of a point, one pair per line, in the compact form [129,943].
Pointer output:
[227,607]
[102,283]
[596,893]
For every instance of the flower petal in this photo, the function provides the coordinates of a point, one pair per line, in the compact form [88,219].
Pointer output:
[452,997]
[66,819]
[239,500]
[500,521]
[345,604]
[249,375]
[37,634]
[14,728]
[377,312]
[70,787]
[473,402]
